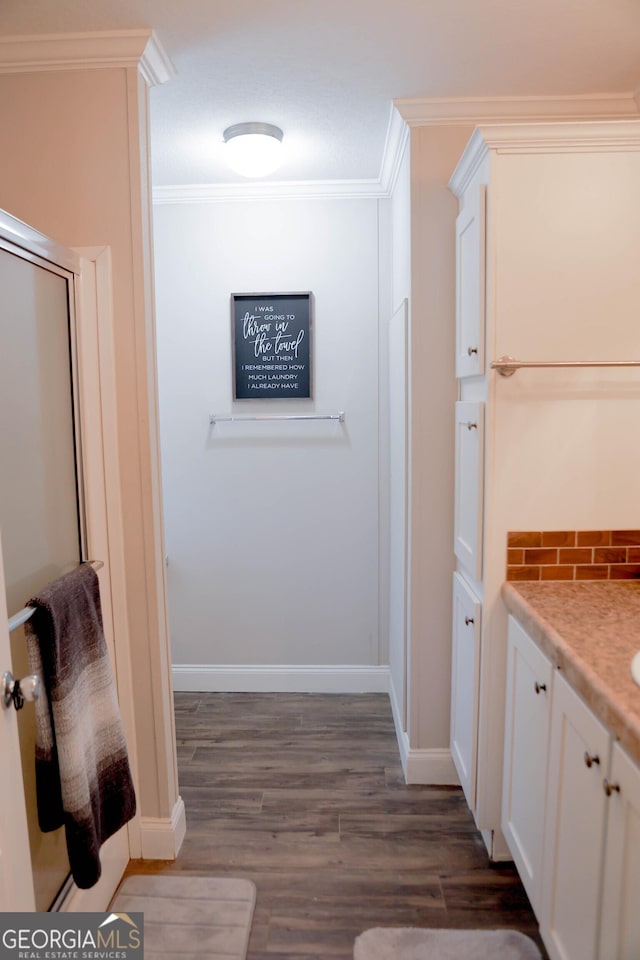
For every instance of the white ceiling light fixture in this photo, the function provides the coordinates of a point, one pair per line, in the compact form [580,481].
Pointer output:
[253,149]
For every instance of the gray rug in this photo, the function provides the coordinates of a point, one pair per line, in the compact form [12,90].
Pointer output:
[190,917]
[412,943]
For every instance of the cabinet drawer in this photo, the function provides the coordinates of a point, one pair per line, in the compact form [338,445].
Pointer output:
[469,479]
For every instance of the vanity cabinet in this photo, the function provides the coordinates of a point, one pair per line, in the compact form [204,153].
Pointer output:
[576,808]
[571,812]
[526,747]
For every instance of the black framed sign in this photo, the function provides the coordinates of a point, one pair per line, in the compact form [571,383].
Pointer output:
[271,341]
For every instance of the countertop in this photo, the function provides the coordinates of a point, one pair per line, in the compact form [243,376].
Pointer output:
[591,631]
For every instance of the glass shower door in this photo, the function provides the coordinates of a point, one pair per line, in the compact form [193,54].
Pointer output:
[40,508]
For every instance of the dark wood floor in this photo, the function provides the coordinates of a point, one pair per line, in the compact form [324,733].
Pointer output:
[304,795]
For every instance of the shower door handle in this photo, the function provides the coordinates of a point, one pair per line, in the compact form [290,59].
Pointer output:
[17,691]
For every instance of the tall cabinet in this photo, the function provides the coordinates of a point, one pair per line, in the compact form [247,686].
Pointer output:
[547,240]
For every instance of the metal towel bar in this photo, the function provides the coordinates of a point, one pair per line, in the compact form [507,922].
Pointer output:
[23,615]
[506,366]
[214,418]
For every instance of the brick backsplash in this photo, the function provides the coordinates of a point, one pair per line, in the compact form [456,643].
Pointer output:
[573,555]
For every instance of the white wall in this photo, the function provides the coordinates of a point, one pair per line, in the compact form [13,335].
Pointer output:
[568,435]
[271,528]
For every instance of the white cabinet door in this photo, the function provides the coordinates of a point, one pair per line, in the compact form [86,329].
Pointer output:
[527,719]
[574,828]
[465,684]
[620,926]
[469,485]
[470,284]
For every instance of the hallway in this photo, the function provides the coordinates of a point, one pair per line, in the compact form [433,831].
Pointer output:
[304,795]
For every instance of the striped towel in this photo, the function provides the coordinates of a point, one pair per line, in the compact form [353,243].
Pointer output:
[83,778]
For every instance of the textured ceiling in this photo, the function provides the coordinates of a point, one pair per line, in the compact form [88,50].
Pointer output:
[327,72]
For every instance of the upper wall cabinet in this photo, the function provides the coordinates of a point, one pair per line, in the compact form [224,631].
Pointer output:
[470,284]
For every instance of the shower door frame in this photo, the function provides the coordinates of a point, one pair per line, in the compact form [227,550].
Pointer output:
[88,272]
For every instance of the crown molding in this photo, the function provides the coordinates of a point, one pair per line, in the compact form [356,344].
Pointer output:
[474,110]
[473,155]
[155,64]
[559,137]
[86,51]
[395,144]
[283,190]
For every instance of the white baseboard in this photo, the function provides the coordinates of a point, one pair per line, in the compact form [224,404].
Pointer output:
[161,837]
[496,845]
[433,766]
[401,735]
[213,678]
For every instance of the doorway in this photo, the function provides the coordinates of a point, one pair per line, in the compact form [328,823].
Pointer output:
[40,512]
[50,401]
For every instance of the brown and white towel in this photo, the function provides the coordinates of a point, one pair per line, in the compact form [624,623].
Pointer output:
[83,778]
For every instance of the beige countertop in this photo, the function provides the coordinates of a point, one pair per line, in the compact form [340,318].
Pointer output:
[591,631]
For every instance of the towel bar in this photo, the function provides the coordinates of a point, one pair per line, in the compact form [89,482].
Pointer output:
[23,615]
[213,418]
[506,366]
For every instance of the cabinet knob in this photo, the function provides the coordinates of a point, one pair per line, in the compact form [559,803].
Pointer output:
[471,426]
[540,687]
[468,620]
[472,350]
[610,788]
[590,759]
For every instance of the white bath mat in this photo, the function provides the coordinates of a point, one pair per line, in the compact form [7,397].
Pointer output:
[411,943]
[190,917]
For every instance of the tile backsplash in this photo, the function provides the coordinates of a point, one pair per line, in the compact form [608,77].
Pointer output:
[573,555]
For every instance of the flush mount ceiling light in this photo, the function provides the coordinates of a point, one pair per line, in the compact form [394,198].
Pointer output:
[253,149]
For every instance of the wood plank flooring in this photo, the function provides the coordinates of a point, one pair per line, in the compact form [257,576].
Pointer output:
[304,795]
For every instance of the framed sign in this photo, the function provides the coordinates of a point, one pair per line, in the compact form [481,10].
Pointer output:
[271,342]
